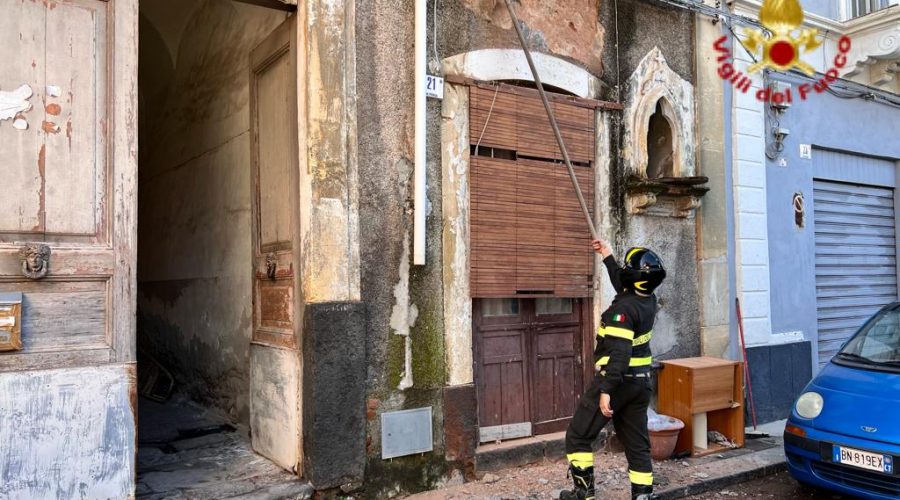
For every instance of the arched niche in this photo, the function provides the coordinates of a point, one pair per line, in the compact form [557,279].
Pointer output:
[662,134]
[658,142]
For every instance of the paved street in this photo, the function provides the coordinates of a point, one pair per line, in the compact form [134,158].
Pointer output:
[780,485]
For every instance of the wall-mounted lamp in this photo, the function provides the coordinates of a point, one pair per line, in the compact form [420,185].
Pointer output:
[775,108]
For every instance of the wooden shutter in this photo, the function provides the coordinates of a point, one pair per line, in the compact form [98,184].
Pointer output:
[528,234]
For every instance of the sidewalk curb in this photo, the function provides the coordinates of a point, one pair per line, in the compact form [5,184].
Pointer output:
[715,483]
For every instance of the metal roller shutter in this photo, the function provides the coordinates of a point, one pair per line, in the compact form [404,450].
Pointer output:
[856,270]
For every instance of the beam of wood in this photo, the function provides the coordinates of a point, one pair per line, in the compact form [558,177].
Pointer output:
[271,4]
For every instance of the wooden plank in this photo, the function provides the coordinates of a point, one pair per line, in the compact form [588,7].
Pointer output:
[75,159]
[274,152]
[12,362]
[64,263]
[22,47]
[62,316]
[552,96]
[285,5]
[124,138]
[501,432]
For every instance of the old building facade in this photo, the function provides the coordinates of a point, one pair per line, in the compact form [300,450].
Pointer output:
[235,201]
[809,230]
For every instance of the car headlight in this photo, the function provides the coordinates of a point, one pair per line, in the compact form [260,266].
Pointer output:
[809,404]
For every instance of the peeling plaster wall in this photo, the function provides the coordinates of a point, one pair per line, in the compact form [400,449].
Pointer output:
[642,26]
[570,29]
[194,274]
[579,31]
[712,217]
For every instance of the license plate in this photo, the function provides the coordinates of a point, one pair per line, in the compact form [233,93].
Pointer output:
[863,459]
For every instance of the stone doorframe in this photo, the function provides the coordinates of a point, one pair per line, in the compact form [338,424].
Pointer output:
[498,65]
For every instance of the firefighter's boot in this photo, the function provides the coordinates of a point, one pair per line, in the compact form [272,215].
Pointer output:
[641,492]
[583,480]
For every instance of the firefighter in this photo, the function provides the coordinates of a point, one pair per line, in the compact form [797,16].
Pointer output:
[621,387]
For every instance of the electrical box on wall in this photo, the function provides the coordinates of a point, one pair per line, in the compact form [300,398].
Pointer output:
[406,432]
[10,321]
[780,88]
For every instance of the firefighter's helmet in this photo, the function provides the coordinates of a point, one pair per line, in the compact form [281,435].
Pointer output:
[643,270]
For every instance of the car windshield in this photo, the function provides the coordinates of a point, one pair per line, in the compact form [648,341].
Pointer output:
[877,343]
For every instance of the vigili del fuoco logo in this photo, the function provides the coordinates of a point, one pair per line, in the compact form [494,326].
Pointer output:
[780,50]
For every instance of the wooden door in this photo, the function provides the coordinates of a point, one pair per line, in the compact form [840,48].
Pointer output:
[274,362]
[68,129]
[556,361]
[529,366]
[504,405]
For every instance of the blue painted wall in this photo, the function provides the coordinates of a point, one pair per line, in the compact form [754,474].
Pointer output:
[852,125]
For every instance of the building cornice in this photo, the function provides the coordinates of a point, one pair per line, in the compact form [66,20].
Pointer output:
[875,56]
[750,8]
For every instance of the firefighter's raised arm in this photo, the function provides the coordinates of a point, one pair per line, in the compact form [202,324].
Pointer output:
[612,267]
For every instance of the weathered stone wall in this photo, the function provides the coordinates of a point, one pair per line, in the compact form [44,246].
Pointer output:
[641,28]
[712,217]
[405,301]
[194,269]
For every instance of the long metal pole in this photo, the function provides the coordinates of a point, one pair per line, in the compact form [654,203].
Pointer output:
[553,124]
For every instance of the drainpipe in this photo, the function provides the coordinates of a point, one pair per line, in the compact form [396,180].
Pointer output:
[419,171]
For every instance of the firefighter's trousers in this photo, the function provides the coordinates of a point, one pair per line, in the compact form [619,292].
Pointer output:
[629,402]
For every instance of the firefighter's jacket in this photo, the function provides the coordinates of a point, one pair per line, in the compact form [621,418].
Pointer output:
[623,338]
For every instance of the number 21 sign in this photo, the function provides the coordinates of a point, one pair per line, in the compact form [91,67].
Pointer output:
[434,86]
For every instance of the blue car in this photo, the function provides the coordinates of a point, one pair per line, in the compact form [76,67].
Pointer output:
[844,430]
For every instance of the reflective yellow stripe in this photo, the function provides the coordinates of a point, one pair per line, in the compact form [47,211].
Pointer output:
[631,362]
[640,285]
[581,459]
[615,331]
[641,361]
[642,478]
[643,339]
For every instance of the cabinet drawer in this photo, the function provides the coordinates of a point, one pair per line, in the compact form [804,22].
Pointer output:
[713,388]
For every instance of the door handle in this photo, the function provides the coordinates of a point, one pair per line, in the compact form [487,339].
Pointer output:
[35,260]
[271,265]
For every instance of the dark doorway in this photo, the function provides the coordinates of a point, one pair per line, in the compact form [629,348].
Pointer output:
[529,364]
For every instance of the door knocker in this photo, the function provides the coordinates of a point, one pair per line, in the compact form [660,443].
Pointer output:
[35,260]
[271,265]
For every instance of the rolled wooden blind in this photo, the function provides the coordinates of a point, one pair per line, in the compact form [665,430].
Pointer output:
[529,237]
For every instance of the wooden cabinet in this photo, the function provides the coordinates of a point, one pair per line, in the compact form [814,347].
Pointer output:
[691,386]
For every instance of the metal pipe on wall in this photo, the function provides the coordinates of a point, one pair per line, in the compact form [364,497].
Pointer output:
[420,179]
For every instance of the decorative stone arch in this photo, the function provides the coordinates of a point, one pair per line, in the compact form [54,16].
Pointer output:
[510,64]
[496,65]
[655,82]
